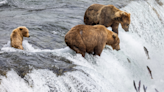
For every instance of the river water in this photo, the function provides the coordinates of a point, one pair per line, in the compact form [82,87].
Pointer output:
[48,65]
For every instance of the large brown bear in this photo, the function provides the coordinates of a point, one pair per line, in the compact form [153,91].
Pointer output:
[107,15]
[91,39]
[17,35]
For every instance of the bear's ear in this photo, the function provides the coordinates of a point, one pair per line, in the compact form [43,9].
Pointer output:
[129,14]
[20,29]
[123,13]
[113,36]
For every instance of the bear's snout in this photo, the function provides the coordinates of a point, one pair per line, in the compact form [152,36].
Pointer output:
[127,30]
[27,35]
[118,49]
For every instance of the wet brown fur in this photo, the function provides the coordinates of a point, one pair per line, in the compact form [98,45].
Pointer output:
[87,38]
[17,35]
[107,15]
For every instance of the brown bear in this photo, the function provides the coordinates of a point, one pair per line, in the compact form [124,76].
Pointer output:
[17,35]
[91,39]
[107,15]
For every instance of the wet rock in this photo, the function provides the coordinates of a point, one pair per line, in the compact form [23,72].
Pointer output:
[23,63]
[3,73]
[22,71]
[62,70]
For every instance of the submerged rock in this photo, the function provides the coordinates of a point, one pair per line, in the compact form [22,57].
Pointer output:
[24,63]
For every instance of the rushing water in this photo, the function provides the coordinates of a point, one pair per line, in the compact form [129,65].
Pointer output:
[48,65]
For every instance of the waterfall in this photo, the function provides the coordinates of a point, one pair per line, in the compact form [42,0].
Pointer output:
[113,71]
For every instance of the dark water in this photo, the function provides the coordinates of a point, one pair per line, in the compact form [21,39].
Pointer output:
[48,21]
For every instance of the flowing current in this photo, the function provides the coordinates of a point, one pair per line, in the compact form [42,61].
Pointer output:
[48,65]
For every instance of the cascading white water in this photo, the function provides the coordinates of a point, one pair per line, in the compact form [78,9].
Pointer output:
[111,72]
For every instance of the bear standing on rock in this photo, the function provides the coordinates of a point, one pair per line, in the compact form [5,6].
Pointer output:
[107,15]
[91,39]
[17,35]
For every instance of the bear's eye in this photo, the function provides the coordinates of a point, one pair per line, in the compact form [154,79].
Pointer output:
[127,24]
[20,29]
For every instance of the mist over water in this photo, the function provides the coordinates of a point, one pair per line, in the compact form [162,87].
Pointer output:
[48,65]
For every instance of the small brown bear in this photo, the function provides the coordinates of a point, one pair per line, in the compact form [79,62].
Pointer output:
[107,15]
[17,35]
[91,39]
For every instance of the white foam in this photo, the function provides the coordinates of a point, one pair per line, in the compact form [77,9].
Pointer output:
[27,47]
[13,83]
[3,2]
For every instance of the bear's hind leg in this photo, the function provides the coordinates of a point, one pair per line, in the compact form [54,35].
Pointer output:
[77,50]
[76,43]
[98,50]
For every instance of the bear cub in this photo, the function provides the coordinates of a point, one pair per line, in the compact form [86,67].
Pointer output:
[17,35]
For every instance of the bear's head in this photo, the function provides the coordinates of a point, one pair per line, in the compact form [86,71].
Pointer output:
[114,41]
[24,31]
[125,20]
